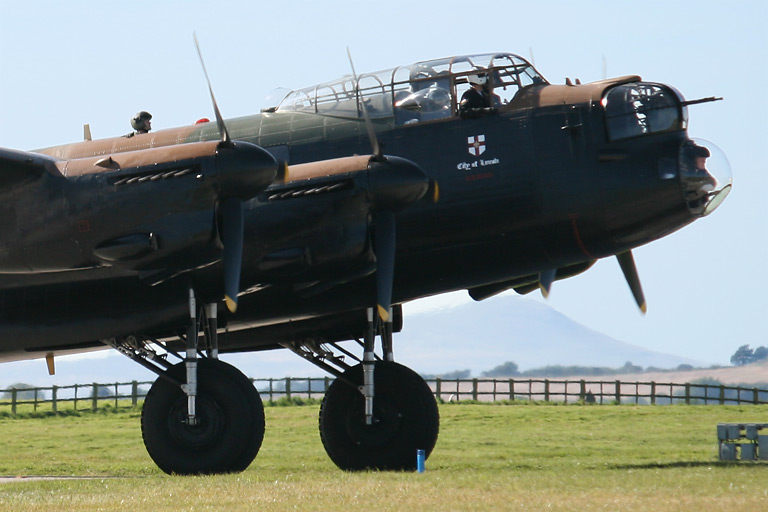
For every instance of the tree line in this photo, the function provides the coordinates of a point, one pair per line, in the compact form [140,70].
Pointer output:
[745,355]
[511,369]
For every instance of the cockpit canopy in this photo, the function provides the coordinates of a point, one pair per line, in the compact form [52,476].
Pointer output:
[418,92]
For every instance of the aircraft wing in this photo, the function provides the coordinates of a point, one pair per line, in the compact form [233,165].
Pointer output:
[19,166]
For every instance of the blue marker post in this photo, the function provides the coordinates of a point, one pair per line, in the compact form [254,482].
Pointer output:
[420,457]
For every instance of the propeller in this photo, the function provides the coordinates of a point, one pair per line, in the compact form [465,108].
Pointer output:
[368,125]
[385,238]
[231,211]
[244,170]
[219,119]
[627,263]
[393,184]
[384,224]
[546,279]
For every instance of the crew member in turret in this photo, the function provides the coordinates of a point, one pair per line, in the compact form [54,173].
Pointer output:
[141,122]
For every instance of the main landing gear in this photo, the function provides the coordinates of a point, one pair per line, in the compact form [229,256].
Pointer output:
[376,414]
[405,419]
[229,428]
[203,416]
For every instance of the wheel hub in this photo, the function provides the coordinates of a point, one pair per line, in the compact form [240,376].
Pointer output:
[386,424]
[209,427]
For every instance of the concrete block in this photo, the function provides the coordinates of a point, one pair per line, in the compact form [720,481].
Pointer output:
[762,447]
[748,451]
[728,451]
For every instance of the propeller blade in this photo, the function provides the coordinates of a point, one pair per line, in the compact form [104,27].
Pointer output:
[384,224]
[368,125]
[232,237]
[627,263]
[219,120]
[546,279]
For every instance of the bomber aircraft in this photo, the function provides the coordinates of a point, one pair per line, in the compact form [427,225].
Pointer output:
[306,226]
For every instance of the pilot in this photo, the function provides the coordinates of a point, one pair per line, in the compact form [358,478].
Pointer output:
[476,101]
[141,122]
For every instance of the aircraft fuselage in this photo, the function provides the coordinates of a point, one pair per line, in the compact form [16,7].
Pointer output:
[552,180]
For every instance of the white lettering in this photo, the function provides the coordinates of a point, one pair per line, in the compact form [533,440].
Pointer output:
[468,166]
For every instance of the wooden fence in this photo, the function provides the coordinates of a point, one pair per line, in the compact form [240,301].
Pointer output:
[128,394]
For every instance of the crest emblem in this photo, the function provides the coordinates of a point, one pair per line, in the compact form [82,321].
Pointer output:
[476,145]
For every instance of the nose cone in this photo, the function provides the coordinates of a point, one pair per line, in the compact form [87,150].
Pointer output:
[705,175]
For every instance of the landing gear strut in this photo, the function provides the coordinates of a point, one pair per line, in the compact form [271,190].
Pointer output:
[405,415]
[378,413]
[201,416]
[229,426]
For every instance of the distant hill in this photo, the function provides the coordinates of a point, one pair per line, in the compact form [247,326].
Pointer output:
[474,336]
[480,336]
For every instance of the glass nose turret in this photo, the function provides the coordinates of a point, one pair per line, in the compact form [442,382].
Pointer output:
[705,175]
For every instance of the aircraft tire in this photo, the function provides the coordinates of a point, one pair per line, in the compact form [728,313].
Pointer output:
[406,419]
[231,417]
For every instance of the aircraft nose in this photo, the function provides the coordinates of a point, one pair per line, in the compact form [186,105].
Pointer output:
[705,175]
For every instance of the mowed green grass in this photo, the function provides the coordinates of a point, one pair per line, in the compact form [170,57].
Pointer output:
[488,457]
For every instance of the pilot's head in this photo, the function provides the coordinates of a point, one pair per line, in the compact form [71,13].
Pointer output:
[479,80]
[141,122]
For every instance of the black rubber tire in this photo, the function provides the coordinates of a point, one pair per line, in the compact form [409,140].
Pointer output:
[231,417]
[406,417]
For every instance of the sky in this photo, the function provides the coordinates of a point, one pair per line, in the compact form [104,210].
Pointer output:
[98,62]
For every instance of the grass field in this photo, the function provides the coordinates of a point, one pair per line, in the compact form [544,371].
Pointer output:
[488,457]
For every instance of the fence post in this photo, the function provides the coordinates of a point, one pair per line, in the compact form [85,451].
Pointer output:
[288,388]
[755,396]
[618,391]
[54,393]
[546,390]
[34,407]
[582,390]
[271,389]
[722,396]
[474,389]
[438,386]
[512,389]
[14,394]
[134,393]
[653,393]
[688,393]
[95,398]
